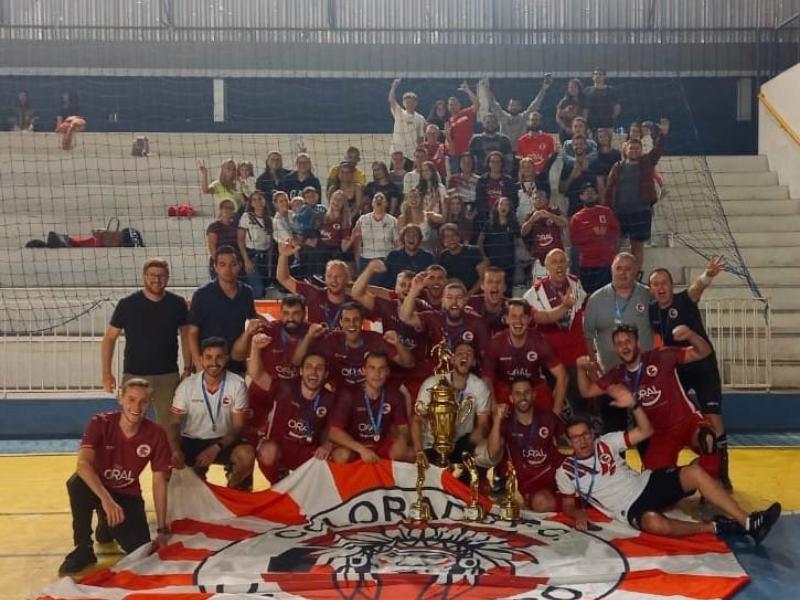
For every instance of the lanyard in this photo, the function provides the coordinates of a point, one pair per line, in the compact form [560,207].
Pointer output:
[584,497]
[531,430]
[620,311]
[375,420]
[332,323]
[220,393]
[635,381]
[451,344]
[309,415]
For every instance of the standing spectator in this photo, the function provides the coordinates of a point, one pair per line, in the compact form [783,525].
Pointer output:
[460,125]
[491,140]
[435,149]
[526,188]
[152,320]
[430,188]
[544,225]
[311,213]
[410,257]
[631,191]
[540,147]
[576,175]
[569,107]
[271,180]
[335,229]
[220,308]
[345,180]
[607,157]
[492,185]
[381,182]
[411,178]
[222,232]
[375,233]
[412,212]
[23,117]
[409,125]
[225,187]
[513,120]
[283,222]
[398,172]
[106,478]
[594,230]
[601,102]
[438,115]
[254,241]
[498,240]
[579,128]
[465,181]
[245,181]
[461,261]
[353,156]
[301,178]
[456,212]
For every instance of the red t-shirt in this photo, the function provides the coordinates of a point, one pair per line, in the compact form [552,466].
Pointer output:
[461,129]
[320,308]
[332,234]
[494,191]
[538,146]
[418,342]
[471,329]
[495,320]
[533,449]
[567,339]
[297,418]
[659,389]
[351,414]
[504,362]
[346,364]
[277,357]
[436,154]
[596,249]
[118,460]
[260,403]
[545,236]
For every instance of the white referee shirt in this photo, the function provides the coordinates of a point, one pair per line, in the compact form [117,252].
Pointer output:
[209,416]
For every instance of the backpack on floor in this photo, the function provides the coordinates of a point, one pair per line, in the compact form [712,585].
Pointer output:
[132,238]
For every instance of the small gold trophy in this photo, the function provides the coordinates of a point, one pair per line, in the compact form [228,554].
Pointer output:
[473,511]
[420,509]
[509,509]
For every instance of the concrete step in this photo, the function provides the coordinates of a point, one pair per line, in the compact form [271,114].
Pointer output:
[752,179]
[763,276]
[746,207]
[737,164]
[773,192]
[780,298]
[786,375]
[763,224]
[776,239]
[681,256]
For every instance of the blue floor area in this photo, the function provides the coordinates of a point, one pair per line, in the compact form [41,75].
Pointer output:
[774,567]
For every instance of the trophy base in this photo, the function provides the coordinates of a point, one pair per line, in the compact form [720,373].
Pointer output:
[509,512]
[420,512]
[474,514]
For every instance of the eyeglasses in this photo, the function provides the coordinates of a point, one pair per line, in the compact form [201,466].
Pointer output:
[581,436]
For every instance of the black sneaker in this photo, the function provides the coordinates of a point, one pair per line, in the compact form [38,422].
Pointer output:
[102,533]
[728,527]
[762,521]
[77,560]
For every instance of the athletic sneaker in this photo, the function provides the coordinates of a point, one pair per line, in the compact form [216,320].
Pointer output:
[728,527]
[77,560]
[761,522]
[102,533]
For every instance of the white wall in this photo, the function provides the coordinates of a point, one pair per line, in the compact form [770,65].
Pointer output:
[781,150]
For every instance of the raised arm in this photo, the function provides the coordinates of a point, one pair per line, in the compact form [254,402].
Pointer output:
[559,372]
[554,315]
[361,291]
[393,104]
[621,397]
[536,103]
[286,250]
[473,98]
[495,442]
[315,331]
[699,348]
[587,374]
[699,285]
[408,313]
[255,368]
[404,357]
[203,168]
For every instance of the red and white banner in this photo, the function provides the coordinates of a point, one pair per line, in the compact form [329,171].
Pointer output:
[339,531]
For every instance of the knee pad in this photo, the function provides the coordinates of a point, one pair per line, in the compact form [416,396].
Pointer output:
[707,440]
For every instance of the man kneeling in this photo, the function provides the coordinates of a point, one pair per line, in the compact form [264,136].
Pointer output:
[597,474]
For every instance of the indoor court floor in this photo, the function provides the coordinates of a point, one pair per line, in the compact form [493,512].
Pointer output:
[35,521]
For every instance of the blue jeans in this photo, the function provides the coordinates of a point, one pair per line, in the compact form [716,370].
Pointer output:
[258,278]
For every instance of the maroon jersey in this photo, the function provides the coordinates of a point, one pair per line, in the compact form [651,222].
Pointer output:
[332,234]
[656,385]
[346,364]
[495,320]
[298,420]
[359,415]
[277,357]
[260,404]
[471,329]
[504,362]
[545,236]
[320,308]
[118,459]
[418,342]
[533,449]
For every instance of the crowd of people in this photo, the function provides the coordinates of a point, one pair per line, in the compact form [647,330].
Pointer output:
[588,357]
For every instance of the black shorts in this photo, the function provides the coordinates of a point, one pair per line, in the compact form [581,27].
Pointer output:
[192,447]
[636,226]
[662,491]
[706,383]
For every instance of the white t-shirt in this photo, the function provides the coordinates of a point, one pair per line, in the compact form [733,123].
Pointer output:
[189,400]
[377,237]
[476,390]
[614,485]
[408,128]
[256,236]
[282,228]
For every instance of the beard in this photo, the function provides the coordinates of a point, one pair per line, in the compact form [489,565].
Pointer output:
[291,327]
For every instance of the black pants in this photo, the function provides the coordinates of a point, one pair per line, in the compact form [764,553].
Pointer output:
[130,534]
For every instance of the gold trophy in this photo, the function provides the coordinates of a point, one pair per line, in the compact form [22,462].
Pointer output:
[509,509]
[473,511]
[443,410]
[420,509]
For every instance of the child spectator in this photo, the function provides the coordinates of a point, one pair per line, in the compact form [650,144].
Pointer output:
[283,221]
[222,232]
[254,241]
[545,225]
[498,240]
[246,179]
[224,187]
[310,215]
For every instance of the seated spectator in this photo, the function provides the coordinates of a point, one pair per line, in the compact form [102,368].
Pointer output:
[222,232]
[594,230]
[465,181]
[438,115]
[375,233]
[23,118]
[409,125]
[606,158]
[540,147]
[513,120]
[399,168]
[601,102]
[436,150]
[492,185]
[412,212]
[381,182]
[498,240]
[576,174]
[431,189]
[411,179]
[283,226]
[569,107]
[225,187]
[491,140]
[335,229]
[271,179]
[545,225]
[345,180]
[456,212]
[461,261]
[579,128]
[460,126]
[301,178]
[254,241]
[409,257]
[246,180]
[353,156]
[526,188]
[631,191]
